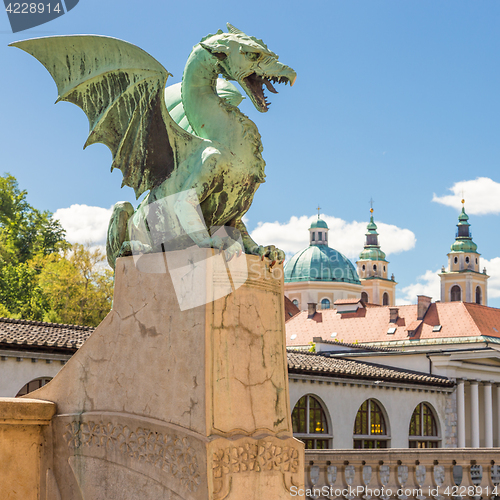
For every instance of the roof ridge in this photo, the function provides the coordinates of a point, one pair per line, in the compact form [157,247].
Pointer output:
[45,323]
[477,329]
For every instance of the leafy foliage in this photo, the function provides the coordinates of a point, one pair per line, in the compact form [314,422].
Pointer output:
[43,277]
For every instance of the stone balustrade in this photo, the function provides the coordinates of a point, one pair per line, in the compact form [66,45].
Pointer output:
[402,474]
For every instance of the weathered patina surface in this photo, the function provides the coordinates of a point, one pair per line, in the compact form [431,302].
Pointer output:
[197,180]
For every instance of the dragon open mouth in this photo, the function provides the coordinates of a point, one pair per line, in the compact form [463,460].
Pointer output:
[255,84]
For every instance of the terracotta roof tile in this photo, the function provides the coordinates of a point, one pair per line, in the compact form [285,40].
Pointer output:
[457,319]
[290,309]
[318,364]
[347,301]
[25,334]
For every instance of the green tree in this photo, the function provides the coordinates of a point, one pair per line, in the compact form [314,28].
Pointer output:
[77,286]
[24,230]
[43,277]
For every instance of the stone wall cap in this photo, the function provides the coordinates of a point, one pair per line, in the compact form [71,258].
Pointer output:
[26,411]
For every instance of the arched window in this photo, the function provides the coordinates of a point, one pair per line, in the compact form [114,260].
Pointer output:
[370,430]
[310,423]
[423,428]
[33,385]
[455,294]
[295,302]
[374,267]
[364,297]
[385,299]
[478,295]
[325,304]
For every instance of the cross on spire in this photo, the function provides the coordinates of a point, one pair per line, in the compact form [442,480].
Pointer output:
[371,205]
[318,209]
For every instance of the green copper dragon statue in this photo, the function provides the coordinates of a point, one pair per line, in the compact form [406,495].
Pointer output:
[205,159]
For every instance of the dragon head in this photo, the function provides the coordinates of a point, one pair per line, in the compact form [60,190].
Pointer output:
[248,61]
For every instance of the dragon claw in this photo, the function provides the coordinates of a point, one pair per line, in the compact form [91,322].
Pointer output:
[275,255]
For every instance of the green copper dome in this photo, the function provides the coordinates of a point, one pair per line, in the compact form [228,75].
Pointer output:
[320,263]
[372,253]
[463,241]
[319,223]
[464,246]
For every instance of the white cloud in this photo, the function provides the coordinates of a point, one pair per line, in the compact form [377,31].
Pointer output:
[428,284]
[482,196]
[346,237]
[84,224]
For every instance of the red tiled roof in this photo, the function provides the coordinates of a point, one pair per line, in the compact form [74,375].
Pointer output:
[347,301]
[290,309]
[457,319]
[23,334]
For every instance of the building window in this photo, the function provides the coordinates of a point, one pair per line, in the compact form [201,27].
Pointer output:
[364,297]
[455,260]
[478,295]
[363,267]
[423,428]
[370,430]
[325,304]
[467,260]
[313,235]
[374,267]
[33,385]
[310,423]
[455,294]
[385,299]
[295,302]
[320,236]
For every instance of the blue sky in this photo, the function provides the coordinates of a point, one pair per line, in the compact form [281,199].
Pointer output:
[395,101]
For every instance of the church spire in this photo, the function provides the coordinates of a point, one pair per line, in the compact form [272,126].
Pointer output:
[463,238]
[373,269]
[463,280]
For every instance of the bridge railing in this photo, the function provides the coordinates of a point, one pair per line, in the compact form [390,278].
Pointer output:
[403,474]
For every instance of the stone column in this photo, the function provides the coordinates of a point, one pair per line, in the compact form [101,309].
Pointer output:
[461,412]
[474,413]
[497,423]
[488,415]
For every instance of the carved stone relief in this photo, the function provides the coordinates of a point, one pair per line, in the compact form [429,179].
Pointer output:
[167,452]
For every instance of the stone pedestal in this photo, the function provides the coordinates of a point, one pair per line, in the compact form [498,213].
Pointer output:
[165,403]
[21,446]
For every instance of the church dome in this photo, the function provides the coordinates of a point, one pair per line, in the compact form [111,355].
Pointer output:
[319,223]
[320,263]
[372,253]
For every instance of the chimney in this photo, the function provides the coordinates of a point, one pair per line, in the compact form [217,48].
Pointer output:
[311,309]
[393,314]
[423,304]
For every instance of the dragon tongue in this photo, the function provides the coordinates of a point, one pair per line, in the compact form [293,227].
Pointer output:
[269,86]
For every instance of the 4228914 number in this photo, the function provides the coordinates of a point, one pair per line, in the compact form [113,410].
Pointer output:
[32,8]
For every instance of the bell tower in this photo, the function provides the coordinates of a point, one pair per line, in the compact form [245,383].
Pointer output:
[463,280]
[373,270]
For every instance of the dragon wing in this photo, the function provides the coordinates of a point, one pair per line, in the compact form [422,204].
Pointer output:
[120,88]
